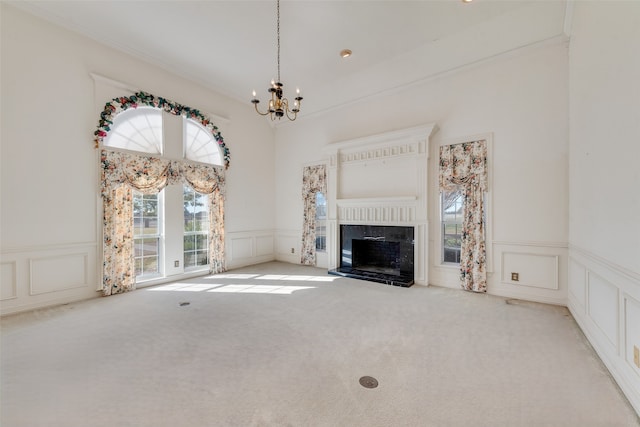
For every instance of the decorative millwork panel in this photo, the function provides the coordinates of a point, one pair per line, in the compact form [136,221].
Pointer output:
[377,214]
[381,153]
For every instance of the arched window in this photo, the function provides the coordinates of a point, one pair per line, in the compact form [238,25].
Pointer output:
[200,145]
[137,129]
[141,193]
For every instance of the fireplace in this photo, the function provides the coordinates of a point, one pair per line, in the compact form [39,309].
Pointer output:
[383,254]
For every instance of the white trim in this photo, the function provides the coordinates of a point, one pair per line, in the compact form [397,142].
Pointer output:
[217,119]
[167,279]
[421,133]
[14,283]
[113,83]
[85,260]
[365,200]
[41,248]
[551,41]
[562,245]
[611,265]
[556,278]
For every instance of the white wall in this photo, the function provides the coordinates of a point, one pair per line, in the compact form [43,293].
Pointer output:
[49,214]
[521,99]
[604,221]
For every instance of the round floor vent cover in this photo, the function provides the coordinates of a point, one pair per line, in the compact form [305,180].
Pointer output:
[368,382]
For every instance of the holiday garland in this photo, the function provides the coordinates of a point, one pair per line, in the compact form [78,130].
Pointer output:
[117,105]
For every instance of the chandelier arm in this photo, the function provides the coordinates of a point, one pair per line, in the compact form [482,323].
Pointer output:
[255,104]
[295,115]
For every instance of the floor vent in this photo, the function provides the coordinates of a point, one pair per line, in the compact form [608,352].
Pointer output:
[368,382]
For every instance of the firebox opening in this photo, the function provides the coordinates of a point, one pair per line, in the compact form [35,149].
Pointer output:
[376,256]
[383,254]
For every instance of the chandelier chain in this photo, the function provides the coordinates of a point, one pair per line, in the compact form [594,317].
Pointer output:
[278,31]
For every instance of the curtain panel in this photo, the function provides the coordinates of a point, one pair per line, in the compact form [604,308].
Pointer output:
[464,167]
[123,172]
[314,180]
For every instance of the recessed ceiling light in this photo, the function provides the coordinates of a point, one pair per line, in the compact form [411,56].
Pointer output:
[345,53]
[467,1]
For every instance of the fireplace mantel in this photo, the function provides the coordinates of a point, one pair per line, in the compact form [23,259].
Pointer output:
[380,180]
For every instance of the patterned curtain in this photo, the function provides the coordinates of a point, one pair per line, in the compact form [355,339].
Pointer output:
[121,173]
[314,180]
[210,180]
[464,166]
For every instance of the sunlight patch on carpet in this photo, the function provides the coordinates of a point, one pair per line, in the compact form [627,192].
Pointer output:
[239,288]
[260,289]
[296,278]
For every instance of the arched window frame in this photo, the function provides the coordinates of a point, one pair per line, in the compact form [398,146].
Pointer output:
[117,105]
[124,171]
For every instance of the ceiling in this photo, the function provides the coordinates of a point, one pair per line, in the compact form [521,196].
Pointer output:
[230,46]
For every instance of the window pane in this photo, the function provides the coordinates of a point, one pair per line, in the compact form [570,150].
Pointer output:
[138,266]
[189,259]
[150,247]
[321,227]
[189,243]
[137,248]
[137,129]
[200,145]
[321,206]
[201,242]
[147,227]
[202,225]
[203,258]
[150,265]
[196,228]
[451,204]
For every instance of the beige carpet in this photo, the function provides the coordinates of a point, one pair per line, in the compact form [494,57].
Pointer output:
[284,345]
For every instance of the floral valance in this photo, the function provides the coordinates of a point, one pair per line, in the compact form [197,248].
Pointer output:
[462,164]
[117,105]
[149,174]
[314,180]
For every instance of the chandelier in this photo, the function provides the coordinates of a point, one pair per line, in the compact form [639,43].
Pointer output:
[278,105]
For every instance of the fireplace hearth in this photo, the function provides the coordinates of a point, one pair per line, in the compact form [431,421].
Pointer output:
[383,254]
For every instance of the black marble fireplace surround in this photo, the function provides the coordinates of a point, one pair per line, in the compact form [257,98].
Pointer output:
[377,253]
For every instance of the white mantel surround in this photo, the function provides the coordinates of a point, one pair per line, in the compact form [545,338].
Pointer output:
[380,180]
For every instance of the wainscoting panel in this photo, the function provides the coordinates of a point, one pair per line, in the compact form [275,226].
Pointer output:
[58,273]
[8,289]
[288,244]
[608,312]
[264,245]
[603,307]
[632,336]
[578,284]
[539,271]
[35,277]
[249,247]
[241,248]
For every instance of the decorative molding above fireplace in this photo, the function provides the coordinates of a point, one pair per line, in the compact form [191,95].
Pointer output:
[380,180]
[388,210]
